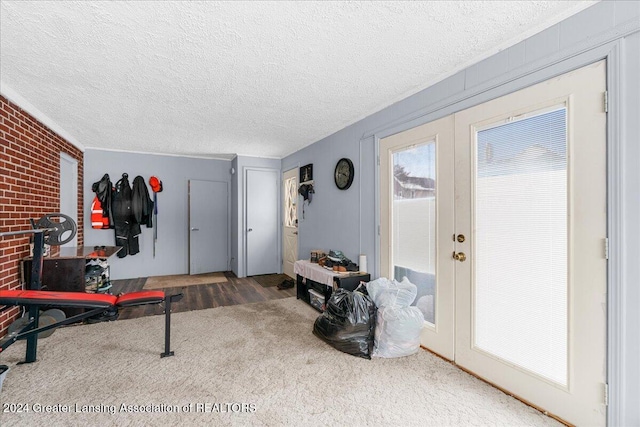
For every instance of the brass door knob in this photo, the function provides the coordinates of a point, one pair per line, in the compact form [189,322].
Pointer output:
[459,256]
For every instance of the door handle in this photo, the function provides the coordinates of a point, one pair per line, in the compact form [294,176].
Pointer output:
[195,229]
[251,229]
[459,256]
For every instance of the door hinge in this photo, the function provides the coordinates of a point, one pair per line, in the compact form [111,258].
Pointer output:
[378,160]
[606,101]
[378,230]
[606,248]
[606,394]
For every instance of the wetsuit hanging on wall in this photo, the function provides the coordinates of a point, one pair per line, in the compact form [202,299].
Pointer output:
[127,229]
[141,203]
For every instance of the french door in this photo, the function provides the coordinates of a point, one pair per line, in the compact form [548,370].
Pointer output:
[521,270]
[416,188]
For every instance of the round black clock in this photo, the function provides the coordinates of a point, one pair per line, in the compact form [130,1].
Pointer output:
[343,174]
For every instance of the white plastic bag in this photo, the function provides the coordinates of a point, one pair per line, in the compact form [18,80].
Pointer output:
[397,331]
[390,293]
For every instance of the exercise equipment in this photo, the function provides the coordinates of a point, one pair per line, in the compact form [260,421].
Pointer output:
[21,322]
[48,317]
[96,305]
[57,314]
[52,226]
[57,224]
[45,230]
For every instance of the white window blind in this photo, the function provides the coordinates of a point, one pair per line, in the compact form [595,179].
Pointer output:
[520,292]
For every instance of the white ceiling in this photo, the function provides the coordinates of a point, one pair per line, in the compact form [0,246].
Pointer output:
[262,79]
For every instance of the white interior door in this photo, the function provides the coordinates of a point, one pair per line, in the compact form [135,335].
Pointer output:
[262,217]
[208,226]
[290,221]
[531,202]
[417,175]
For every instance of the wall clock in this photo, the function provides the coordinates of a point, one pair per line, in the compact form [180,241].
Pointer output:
[343,175]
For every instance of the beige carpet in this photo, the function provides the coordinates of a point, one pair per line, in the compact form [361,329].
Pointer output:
[161,282]
[259,363]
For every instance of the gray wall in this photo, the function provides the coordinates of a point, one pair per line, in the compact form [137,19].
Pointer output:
[332,219]
[172,247]
[348,220]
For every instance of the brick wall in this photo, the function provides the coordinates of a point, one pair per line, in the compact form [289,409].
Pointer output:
[29,187]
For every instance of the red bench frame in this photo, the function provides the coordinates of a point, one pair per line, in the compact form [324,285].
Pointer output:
[96,304]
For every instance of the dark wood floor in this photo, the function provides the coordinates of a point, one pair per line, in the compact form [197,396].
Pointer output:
[198,297]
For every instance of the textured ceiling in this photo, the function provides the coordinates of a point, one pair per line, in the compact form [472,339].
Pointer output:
[251,78]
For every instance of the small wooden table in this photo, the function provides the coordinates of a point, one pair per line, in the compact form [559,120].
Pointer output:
[86,252]
[312,276]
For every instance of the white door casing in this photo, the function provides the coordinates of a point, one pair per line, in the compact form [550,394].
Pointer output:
[208,226]
[290,221]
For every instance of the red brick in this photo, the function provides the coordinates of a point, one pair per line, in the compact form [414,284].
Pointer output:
[29,187]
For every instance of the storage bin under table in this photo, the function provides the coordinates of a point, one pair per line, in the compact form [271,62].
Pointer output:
[311,276]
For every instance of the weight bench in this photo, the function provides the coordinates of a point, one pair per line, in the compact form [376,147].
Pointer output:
[96,305]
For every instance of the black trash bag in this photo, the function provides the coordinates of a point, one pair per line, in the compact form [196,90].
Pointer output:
[349,323]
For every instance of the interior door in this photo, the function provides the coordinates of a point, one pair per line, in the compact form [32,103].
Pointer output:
[417,175]
[290,221]
[531,203]
[262,217]
[208,226]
